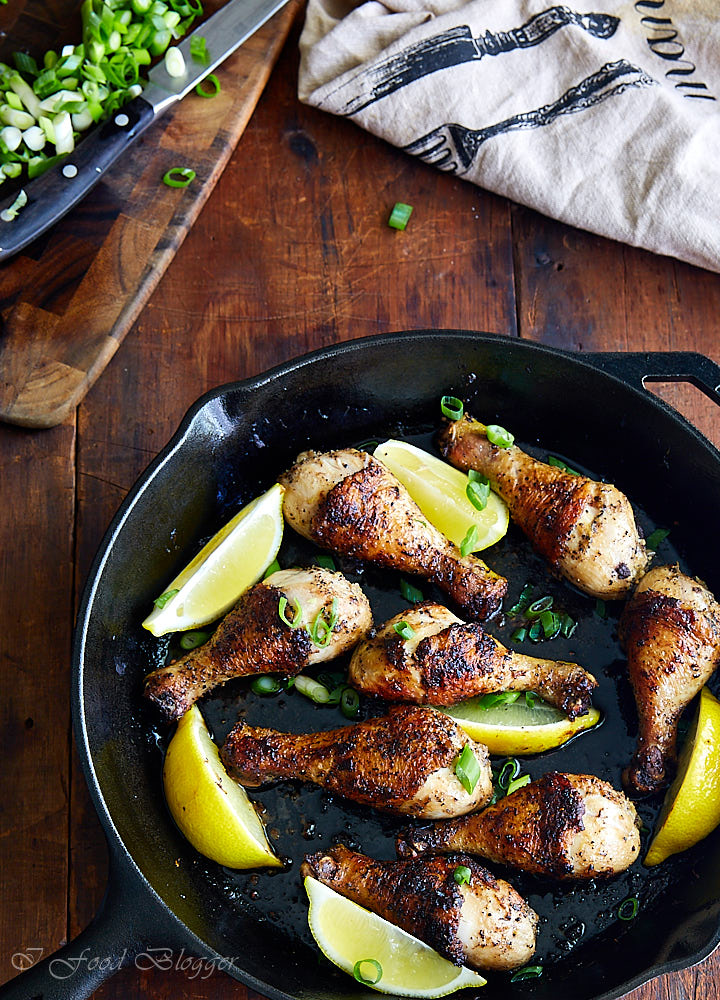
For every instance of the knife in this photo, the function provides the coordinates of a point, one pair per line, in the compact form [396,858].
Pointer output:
[52,195]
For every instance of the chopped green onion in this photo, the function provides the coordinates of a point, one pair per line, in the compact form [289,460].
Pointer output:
[350,703]
[274,567]
[326,562]
[409,592]
[518,783]
[369,445]
[600,609]
[498,436]
[400,215]
[508,772]
[551,624]
[567,625]
[462,875]
[452,407]
[523,601]
[322,628]
[659,535]
[528,972]
[498,698]
[519,634]
[467,769]
[198,50]
[535,631]
[191,640]
[265,685]
[214,83]
[179,177]
[530,699]
[26,64]
[469,541]
[297,613]
[535,609]
[404,630]
[559,464]
[478,489]
[163,599]
[368,978]
[312,689]
[628,909]
[174,62]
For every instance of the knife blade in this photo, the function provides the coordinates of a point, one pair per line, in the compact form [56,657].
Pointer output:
[52,195]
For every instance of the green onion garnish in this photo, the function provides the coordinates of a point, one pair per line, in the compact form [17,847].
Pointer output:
[498,436]
[478,489]
[567,625]
[462,875]
[296,621]
[530,699]
[452,407]
[508,772]
[523,600]
[467,769]
[404,630]
[628,909]
[325,561]
[191,640]
[322,628]
[469,541]
[365,975]
[659,535]
[535,631]
[535,609]
[600,609]
[519,634]
[400,215]
[274,567]
[410,593]
[559,464]
[551,624]
[179,177]
[498,698]
[312,689]
[518,783]
[265,685]
[162,600]
[528,972]
[198,50]
[350,703]
[214,83]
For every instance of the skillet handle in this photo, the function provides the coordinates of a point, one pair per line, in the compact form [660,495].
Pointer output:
[637,368]
[114,938]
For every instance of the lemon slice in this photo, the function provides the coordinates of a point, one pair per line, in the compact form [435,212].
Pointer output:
[439,491]
[514,729]
[691,809]
[233,560]
[348,934]
[212,810]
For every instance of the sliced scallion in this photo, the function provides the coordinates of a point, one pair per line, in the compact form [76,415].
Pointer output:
[519,635]
[498,436]
[600,609]
[462,875]
[523,601]
[179,177]
[628,909]
[530,699]
[452,407]
[520,782]
[537,607]
[410,593]
[265,685]
[198,50]
[559,464]
[191,640]
[551,624]
[297,617]
[404,630]
[322,627]
[213,82]
[478,489]
[350,703]
[327,562]
[508,772]
[659,535]
[527,972]
[498,698]
[174,62]
[467,769]
[469,541]
[400,215]
[368,971]
[163,599]
[312,689]
[274,567]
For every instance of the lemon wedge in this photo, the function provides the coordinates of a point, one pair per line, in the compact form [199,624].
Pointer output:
[212,810]
[439,490]
[233,560]
[691,809]
[515,729]
[368,946]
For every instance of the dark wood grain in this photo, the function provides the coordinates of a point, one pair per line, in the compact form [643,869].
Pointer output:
[291,252]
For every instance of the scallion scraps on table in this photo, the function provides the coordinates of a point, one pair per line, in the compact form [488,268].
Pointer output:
[400,215]
[179,177]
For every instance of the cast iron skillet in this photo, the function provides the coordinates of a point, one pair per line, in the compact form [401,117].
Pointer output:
[165,903]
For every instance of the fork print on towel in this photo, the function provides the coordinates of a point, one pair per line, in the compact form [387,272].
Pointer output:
[457,46]
[453,147]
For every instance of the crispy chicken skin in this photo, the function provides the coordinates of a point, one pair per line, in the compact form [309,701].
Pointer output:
[484,923]
[670,630]
[253,639]
[447,660]
[566,826]
[403,762]
[349,502]
[586,530]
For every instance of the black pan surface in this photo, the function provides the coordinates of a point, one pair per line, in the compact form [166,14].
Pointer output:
[231,446]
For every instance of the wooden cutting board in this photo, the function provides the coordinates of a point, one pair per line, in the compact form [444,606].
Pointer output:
[68,300]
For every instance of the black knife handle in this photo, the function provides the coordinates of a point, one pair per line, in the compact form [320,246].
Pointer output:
[54,193]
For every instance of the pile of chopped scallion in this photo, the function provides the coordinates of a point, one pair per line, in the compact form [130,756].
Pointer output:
[45,107]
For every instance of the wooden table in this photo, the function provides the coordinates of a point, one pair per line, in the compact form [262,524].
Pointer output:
[292,252]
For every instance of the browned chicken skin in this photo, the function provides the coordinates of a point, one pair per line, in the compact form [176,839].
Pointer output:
[484,923]
[586,530]
[253,639]
[670,630]
[349,502]
[447,660]
[403,762]
[567,826]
